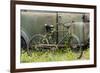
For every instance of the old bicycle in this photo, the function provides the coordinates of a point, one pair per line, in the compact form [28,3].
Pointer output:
[40,42]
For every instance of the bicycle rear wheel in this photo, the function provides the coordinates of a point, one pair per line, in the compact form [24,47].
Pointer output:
[37,41]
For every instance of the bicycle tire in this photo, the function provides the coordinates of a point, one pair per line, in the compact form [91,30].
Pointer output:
[75,46]
[36,40]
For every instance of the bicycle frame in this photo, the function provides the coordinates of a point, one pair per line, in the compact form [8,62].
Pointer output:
[49,34]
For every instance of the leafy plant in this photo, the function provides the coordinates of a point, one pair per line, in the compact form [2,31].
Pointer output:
[63,54]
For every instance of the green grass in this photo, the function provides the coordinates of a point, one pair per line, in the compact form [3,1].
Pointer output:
[49,55]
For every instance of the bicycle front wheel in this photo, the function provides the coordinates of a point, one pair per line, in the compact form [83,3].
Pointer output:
[37,42]
[75,46]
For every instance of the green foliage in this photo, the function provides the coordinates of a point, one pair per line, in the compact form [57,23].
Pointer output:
[62,54]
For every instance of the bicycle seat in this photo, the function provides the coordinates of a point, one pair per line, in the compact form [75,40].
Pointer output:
[49,27]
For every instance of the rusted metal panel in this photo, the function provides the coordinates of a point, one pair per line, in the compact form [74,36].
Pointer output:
[33,22]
